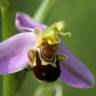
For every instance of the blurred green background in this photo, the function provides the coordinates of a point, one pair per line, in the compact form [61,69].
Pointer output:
[80,18]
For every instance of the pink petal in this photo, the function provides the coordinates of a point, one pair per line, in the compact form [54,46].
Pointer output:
[13,52]
[24,21]
[73,72]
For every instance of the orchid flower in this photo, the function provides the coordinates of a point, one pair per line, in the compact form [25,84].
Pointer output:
[15,53]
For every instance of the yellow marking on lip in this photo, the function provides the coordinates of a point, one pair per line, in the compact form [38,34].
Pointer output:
[48,63]
[32,57]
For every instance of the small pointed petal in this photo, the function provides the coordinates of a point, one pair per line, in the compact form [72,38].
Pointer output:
[73,72]
[24,21]
[13,52]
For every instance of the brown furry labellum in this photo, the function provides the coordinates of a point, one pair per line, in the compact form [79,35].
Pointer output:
[44,63]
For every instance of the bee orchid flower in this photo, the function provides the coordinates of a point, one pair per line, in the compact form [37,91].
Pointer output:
[22,50]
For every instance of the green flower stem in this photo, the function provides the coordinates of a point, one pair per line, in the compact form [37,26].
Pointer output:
[49,90]
[44,9]
[0,36]
[8,29]
[8,18]
[9,85]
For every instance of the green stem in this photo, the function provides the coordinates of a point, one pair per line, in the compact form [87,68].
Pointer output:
[0,36]
[44,9]
[9,85]
[8,18]
[8,29]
